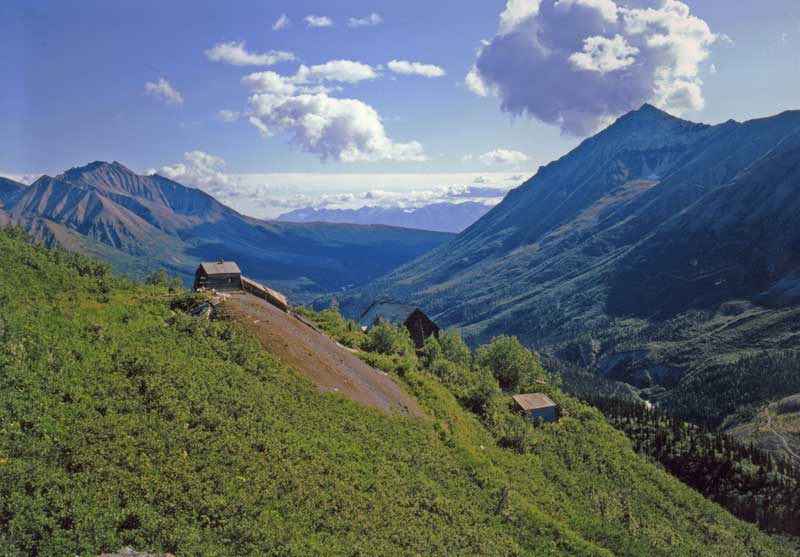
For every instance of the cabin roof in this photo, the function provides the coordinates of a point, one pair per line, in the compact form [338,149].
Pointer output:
[387,311]
[220,268]
[533,401]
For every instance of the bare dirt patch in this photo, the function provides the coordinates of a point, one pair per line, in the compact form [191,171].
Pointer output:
[331,366]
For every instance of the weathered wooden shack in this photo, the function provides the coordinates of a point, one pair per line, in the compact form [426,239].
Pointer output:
[272,296]
[220,276]
[537,407]
[419,325]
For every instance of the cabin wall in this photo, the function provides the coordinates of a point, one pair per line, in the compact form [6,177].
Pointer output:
[231,281]
[542,414]
[199,279]
[420,328]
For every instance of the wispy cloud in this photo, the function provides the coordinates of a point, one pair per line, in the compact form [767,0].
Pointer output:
[370,21]
[724,38]
[280,23]
[405,67]
[499,156]
[236,53]
[163,91]
[229,115]
[270,194]
[26,179]
[318,21]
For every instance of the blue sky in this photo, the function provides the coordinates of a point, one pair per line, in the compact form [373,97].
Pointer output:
[76,73]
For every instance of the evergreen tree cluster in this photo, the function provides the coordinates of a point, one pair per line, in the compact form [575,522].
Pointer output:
[740,387]
[753,484]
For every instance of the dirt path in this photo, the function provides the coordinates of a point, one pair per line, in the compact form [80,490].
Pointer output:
[783,440]
[331,366]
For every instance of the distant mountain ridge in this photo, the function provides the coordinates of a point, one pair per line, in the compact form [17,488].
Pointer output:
[440,217]
[655,252]
[140,223]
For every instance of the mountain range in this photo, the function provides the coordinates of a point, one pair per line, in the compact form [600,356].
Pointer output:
[660,252]
[440,217]
[140,223]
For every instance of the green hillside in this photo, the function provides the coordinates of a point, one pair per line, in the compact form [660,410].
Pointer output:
[659,253]
[123,421]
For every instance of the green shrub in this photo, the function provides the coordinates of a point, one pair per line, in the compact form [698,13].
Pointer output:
[385,338]
[515,367]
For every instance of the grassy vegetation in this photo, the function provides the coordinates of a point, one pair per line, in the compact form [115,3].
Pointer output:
[123,421]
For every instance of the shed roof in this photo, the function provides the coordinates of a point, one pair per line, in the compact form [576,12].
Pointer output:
[533,401]
[277,296]
[220,268]
[387,311]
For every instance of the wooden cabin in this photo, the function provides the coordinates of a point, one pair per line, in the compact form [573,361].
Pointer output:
[537,407]
[419,325]
[220,276]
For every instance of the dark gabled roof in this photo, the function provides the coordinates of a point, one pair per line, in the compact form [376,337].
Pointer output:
[533,401]
[220,268]
[386,311]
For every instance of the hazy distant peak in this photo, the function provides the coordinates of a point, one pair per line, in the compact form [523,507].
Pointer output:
[438,217]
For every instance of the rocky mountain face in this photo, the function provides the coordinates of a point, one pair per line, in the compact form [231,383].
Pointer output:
[655,253]
[140,223]
[9,191]
[440,217]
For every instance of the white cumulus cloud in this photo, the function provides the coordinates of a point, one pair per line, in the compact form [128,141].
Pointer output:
[405,67]
[199,170]
[347,130]
[318,21]
[370,21]
[604,55]
[308,79]
[303,107]
[578,63]
[163,91]
[236,53]
[345,71]
[475,83]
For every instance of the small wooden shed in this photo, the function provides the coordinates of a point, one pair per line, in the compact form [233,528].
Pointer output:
[419,325]
[537,407]
[272,296]
[220,275]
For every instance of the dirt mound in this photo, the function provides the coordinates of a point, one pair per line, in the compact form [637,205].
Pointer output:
[332,367]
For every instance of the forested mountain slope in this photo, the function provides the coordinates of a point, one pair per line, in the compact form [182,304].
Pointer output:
[140,223]
[658,252]
[127,422]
